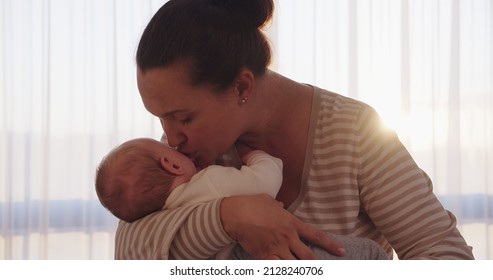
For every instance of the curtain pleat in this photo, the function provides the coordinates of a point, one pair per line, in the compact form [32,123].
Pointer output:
[68,95]
[426,67]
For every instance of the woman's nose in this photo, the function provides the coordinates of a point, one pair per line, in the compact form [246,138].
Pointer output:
[175,139]
[170,136]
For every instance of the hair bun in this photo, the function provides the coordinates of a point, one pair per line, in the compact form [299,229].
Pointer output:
[254,12]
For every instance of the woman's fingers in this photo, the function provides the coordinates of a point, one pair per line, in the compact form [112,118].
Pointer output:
[302,252]
[319,238]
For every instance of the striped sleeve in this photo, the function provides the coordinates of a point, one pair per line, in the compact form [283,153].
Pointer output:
[398,197]
[192,232]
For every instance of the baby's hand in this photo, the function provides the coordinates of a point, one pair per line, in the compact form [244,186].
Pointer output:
[243,151]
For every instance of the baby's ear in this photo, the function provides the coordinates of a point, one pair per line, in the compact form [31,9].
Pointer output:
[171,166]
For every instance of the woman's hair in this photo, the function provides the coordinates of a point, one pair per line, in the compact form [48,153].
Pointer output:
[131,183]
[217,37]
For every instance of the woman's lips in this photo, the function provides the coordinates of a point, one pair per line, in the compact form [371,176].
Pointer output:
[190,155]
[194,159]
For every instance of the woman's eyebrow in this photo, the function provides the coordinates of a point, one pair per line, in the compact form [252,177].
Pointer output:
[174,112]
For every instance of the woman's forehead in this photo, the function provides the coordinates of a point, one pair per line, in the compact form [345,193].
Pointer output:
[165,91]
[161,81]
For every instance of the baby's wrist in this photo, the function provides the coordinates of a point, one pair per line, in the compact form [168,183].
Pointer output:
[250,155]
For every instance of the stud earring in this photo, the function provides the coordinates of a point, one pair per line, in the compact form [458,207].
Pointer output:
[244,100]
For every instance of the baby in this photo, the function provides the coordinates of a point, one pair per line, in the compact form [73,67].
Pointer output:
[142,176]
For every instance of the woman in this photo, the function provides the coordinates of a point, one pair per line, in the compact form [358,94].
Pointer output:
[202,69]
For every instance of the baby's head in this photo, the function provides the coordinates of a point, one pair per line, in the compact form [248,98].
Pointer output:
[136,178]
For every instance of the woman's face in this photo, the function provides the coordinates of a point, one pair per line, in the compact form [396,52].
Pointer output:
[198,122]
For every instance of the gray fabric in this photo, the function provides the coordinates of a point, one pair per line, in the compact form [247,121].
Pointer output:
[356,249]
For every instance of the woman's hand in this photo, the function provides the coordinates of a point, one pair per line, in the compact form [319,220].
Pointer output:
[267,231]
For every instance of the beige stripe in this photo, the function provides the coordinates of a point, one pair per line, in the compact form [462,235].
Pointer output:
[215,229]
[399,233]
[203,241]
[200,240]
[212,227]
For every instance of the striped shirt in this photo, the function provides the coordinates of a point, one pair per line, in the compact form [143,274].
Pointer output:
[358,180]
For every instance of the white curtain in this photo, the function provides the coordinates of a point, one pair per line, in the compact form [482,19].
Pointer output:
[427,67]
[68,95]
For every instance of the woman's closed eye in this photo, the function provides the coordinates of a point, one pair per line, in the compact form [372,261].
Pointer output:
[184,120]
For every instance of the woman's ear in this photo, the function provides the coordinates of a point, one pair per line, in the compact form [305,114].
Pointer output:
[244,85]
[171,166]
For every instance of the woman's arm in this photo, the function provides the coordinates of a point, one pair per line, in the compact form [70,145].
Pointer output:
[202,230]
[192,232]
[398,197]
[258,223]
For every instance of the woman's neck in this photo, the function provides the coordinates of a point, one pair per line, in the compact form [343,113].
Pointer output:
[280,122]
[281,110]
